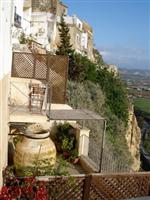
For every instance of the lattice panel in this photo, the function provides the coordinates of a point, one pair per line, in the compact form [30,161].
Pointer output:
[47,68]
[41,67]
[98,187]
[95,193]
[121,187]
[58,76]
[23,65]
[69,188]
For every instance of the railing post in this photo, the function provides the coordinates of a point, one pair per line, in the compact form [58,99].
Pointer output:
[34,65]
[86,187]
[49,99]
[12,71]
[102,147]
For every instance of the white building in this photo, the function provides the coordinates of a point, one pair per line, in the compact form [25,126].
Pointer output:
[43,28]
[6,17]
[84,40]
[27,13]
[77,22]
[39,22]
[18,20]
[78,37]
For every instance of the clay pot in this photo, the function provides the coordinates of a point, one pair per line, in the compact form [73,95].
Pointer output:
[66,154]
[33,147]
[76,160]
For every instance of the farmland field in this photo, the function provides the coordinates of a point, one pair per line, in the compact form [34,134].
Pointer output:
[142,104]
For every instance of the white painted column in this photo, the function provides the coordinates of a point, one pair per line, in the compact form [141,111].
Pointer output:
[84,142]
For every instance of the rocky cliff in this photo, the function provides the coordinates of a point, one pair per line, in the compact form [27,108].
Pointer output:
[133,137]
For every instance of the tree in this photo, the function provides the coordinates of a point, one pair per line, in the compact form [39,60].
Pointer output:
[65,48]
[81,68]
[115,91]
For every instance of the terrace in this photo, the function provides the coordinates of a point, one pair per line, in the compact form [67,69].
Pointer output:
[38,96]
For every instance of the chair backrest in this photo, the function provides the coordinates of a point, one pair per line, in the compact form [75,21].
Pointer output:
[37,89]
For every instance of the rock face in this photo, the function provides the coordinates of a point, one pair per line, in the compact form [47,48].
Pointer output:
[133,137]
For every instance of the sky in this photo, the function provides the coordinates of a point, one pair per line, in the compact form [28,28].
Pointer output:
[121,29]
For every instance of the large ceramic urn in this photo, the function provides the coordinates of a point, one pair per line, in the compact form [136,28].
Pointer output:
[34,148]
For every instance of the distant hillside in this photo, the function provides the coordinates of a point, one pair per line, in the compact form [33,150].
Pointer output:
[135,74]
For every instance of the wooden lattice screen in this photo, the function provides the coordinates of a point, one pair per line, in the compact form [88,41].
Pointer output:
[95,187]
[66,188]
[50,69]
[100,186]
[119,186]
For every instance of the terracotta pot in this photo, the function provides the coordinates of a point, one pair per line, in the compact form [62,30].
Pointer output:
[32,148]
[66,154]
[76,160]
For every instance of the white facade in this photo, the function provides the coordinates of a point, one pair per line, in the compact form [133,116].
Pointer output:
[78,22]
[27,21]
[41,25]
[84,40]
[6,17]
[79,36]
[18,20]
[68,19]
[43,28]
[73,20]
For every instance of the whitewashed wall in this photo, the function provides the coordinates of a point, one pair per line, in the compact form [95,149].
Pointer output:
[27,20]
[84,40]
[43,28]
[6,17]
[78,22]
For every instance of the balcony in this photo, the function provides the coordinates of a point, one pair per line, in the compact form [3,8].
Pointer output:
[38,94]
[48,73]
[29,101]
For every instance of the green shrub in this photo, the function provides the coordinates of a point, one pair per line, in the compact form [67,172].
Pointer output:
[90,96]
[81,68]
[115,92]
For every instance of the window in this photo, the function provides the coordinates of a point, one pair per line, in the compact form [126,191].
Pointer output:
[77,38]
[17,19]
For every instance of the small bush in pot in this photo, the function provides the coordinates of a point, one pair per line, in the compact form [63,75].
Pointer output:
[64,137]
[74,158]
[67,146]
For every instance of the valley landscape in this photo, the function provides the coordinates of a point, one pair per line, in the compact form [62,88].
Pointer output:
[138,84]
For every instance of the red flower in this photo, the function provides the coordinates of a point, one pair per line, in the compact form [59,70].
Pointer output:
[42,193]
[4,190]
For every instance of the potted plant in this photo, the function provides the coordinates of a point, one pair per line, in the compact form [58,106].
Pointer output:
[74,158]
[63,136]
[67,146]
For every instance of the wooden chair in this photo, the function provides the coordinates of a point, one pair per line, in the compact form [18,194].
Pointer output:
[36,97]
